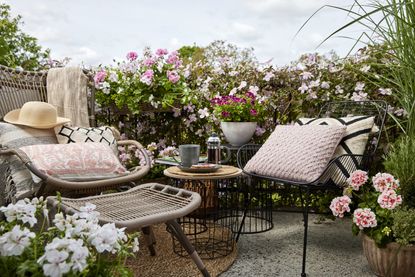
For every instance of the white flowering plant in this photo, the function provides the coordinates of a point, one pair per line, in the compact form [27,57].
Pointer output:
[76,245]
[375,205]
[156,78]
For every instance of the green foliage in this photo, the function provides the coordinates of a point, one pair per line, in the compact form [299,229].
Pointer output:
[16,47]
[390,22]
[155,80]
[238,108]
[404,226]
[400,161]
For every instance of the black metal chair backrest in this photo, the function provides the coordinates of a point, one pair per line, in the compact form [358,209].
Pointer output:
[376,108]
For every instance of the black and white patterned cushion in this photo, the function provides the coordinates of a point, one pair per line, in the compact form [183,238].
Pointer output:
[69,134]
[358,129]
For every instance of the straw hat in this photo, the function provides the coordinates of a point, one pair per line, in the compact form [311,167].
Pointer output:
[36,114]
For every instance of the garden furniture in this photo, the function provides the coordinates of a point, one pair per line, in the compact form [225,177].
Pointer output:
[141,207]
[18,87]
[336,172]
[211,226]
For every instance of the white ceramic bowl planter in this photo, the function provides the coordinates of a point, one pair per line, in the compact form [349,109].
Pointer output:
[238,133]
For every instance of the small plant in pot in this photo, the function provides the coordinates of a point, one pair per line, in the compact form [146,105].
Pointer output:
[385,213]
[239,115]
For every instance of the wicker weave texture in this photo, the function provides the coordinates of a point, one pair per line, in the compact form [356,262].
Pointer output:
[138,207]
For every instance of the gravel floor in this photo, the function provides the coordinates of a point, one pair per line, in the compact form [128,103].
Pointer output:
[332,250]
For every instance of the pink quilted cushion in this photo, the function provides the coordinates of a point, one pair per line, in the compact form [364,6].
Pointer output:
[296,153]
[75,161]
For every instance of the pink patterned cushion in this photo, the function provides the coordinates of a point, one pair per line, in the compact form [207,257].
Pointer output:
[75,161]
[296,153]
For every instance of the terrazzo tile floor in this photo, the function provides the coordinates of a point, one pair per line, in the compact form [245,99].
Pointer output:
[332,249]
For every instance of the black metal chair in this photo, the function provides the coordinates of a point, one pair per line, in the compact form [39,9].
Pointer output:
[331,177]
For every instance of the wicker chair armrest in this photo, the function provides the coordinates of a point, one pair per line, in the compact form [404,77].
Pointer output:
[135,175]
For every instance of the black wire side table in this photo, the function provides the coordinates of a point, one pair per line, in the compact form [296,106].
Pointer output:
[254,200]
[213,226]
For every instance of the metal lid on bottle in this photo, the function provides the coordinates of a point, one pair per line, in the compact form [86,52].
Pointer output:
[213,138]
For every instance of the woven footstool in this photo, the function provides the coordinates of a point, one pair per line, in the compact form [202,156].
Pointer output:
[141,207]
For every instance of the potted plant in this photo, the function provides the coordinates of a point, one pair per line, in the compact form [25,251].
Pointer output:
[386,228]
[156,80]
[76,245]
[239,115]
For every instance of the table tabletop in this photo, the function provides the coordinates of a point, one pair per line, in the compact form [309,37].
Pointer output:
[225,172]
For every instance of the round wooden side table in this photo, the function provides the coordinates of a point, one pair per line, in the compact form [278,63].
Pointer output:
[210,227]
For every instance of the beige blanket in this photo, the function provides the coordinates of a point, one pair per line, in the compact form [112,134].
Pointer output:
[67,91]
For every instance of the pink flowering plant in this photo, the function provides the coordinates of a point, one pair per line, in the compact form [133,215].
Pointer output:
[156,79]
[75,245]
[374,204]
[238,108]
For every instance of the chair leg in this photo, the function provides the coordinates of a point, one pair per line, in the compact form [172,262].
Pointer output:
[305,215]
[150,239]
[177,231]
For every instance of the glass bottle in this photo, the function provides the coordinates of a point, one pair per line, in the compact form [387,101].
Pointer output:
[213,149]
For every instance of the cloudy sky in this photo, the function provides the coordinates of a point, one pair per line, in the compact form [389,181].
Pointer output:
[97,31]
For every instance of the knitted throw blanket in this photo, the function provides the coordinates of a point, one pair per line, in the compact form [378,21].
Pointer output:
[67,91]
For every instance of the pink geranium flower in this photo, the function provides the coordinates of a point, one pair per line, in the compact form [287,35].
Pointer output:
[148,62]
[364,218]
[132,56]
[147,77]
[161,52]
[173,57]
[357,179]
[173,76]
[384,181]
[389,199]
[100,77]
[340,205]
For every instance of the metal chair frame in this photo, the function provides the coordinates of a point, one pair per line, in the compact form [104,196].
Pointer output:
[344,163]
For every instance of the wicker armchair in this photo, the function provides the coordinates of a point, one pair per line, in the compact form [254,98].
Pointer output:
[18,87]
[330,178]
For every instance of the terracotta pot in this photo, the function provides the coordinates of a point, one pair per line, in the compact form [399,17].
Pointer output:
[393,260]
[238,133]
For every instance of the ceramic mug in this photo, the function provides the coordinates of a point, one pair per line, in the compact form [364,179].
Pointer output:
[189,154]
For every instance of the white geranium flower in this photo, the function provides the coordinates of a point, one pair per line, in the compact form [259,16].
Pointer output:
[325,85]
[79,256]
[242,85]
[136,245]
[13,243]
[113,77]
[233,91]
[203,113]
[359,86]
[105,238]
[339,90]
[303,88]
[365,68]
[359,96]
[385,91]
[306,75]
[88,212]
[121,234]
[56,264]
[268,76]
[23,211]
[314,83]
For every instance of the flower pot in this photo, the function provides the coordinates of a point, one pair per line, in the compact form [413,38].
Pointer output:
[392,261]
[238,133]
